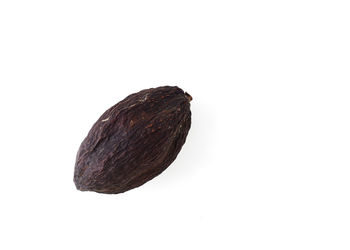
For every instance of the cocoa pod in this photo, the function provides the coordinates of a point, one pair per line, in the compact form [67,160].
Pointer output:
[133,141]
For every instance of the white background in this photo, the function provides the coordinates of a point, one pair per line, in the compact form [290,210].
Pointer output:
[266,164]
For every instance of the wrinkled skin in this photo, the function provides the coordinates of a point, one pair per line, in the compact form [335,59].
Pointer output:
[133,141]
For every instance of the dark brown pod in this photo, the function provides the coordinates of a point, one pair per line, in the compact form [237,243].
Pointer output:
[133,141]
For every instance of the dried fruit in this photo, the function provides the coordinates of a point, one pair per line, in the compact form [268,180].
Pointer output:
[133,141]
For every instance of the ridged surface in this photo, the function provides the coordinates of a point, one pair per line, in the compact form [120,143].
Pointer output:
[133,141]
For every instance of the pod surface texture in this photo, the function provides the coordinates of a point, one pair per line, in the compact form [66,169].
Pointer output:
[133,141]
